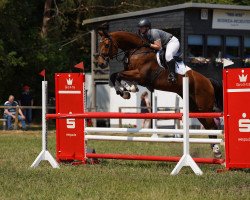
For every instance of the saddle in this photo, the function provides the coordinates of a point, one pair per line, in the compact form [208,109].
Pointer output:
[163,61]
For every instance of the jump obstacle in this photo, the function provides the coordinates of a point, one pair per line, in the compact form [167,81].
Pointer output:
[71,133]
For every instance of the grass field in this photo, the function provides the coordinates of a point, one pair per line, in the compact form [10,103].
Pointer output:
[111,179]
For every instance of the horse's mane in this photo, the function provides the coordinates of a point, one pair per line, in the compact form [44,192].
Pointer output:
[127,40]
[126,34]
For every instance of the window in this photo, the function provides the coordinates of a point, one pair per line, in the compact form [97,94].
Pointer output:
[195,46]
[232,47]
[247,47]
[214,46]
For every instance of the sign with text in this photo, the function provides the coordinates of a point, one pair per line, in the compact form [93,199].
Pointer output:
[231,19]
[69,131]
[237,117]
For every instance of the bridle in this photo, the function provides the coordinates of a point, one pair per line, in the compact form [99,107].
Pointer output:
[107,56]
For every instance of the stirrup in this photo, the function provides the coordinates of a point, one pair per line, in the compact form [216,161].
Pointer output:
[171,78]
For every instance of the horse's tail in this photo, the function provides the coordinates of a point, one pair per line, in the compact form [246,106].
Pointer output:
[218,93]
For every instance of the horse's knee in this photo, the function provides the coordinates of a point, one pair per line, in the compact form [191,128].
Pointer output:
[113,78]
[118,77]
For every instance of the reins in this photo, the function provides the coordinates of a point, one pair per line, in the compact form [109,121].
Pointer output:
[127,53]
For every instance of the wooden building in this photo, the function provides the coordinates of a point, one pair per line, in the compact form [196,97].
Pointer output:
[206,32]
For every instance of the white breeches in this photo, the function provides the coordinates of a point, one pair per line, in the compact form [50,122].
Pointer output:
[172,48]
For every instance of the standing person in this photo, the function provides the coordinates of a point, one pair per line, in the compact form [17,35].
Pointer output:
[10,113]
[159,39]
[27,100]
[145,108]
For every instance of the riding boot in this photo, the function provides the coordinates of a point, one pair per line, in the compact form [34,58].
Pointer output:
[171,67]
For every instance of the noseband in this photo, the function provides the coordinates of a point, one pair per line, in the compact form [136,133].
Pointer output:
[107,56]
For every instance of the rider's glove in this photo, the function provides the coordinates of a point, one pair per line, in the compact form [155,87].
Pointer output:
[146,44]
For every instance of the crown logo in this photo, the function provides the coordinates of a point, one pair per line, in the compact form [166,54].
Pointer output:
[243,78]
[69,81]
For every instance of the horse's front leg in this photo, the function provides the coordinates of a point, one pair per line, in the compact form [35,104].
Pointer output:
[130,86]
[129,79]
[119,87]
[120,82]
[130,75]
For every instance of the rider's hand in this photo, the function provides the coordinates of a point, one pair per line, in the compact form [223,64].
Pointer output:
[147,44]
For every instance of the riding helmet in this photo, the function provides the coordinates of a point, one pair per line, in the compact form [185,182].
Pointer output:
[144,22]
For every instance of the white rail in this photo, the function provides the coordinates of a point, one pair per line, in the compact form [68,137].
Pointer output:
[152,131]
[152,139]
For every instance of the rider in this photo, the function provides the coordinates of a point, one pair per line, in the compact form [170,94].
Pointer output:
[160,39]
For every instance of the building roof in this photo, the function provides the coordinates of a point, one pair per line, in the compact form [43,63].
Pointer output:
[164,9]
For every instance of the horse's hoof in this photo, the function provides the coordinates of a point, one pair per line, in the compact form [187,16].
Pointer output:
[126,95]
[216,151]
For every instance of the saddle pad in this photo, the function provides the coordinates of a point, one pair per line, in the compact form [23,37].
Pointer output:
[180,67]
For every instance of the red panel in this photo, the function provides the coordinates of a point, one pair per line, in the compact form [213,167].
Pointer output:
[70,131]
[237,117]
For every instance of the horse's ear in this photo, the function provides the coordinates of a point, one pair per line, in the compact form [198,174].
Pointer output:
[104,33]
[103,29]
[100,32]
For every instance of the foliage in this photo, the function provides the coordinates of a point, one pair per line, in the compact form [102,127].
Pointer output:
[24,53]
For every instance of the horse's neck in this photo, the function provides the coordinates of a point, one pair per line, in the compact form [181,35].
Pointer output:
[127,41]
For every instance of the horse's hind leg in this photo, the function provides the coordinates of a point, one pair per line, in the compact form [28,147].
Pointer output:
[210,124]
[204,105]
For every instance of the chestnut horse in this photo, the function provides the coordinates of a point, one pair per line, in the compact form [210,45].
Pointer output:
[142,68]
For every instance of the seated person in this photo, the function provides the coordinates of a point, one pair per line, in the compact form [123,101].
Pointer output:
[10,113]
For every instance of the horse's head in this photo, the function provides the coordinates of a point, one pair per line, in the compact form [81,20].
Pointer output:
[107,49]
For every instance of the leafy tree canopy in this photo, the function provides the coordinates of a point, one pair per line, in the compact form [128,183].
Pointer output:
[47,34]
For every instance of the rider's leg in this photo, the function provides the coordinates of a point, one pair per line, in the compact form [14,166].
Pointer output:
[171,68]
[171,49]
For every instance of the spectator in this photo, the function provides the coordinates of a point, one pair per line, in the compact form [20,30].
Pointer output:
[145,108]
[10,113]
[27,100]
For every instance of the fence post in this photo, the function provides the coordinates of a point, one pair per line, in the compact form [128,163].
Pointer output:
[186,159]
[44,154]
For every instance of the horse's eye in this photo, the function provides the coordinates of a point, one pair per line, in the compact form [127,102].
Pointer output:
[106,45]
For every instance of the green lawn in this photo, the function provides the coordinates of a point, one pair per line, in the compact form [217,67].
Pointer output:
[111,179]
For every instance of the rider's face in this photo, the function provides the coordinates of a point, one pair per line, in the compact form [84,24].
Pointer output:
[143,29]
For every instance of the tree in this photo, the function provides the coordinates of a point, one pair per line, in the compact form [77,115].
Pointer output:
[48,34]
